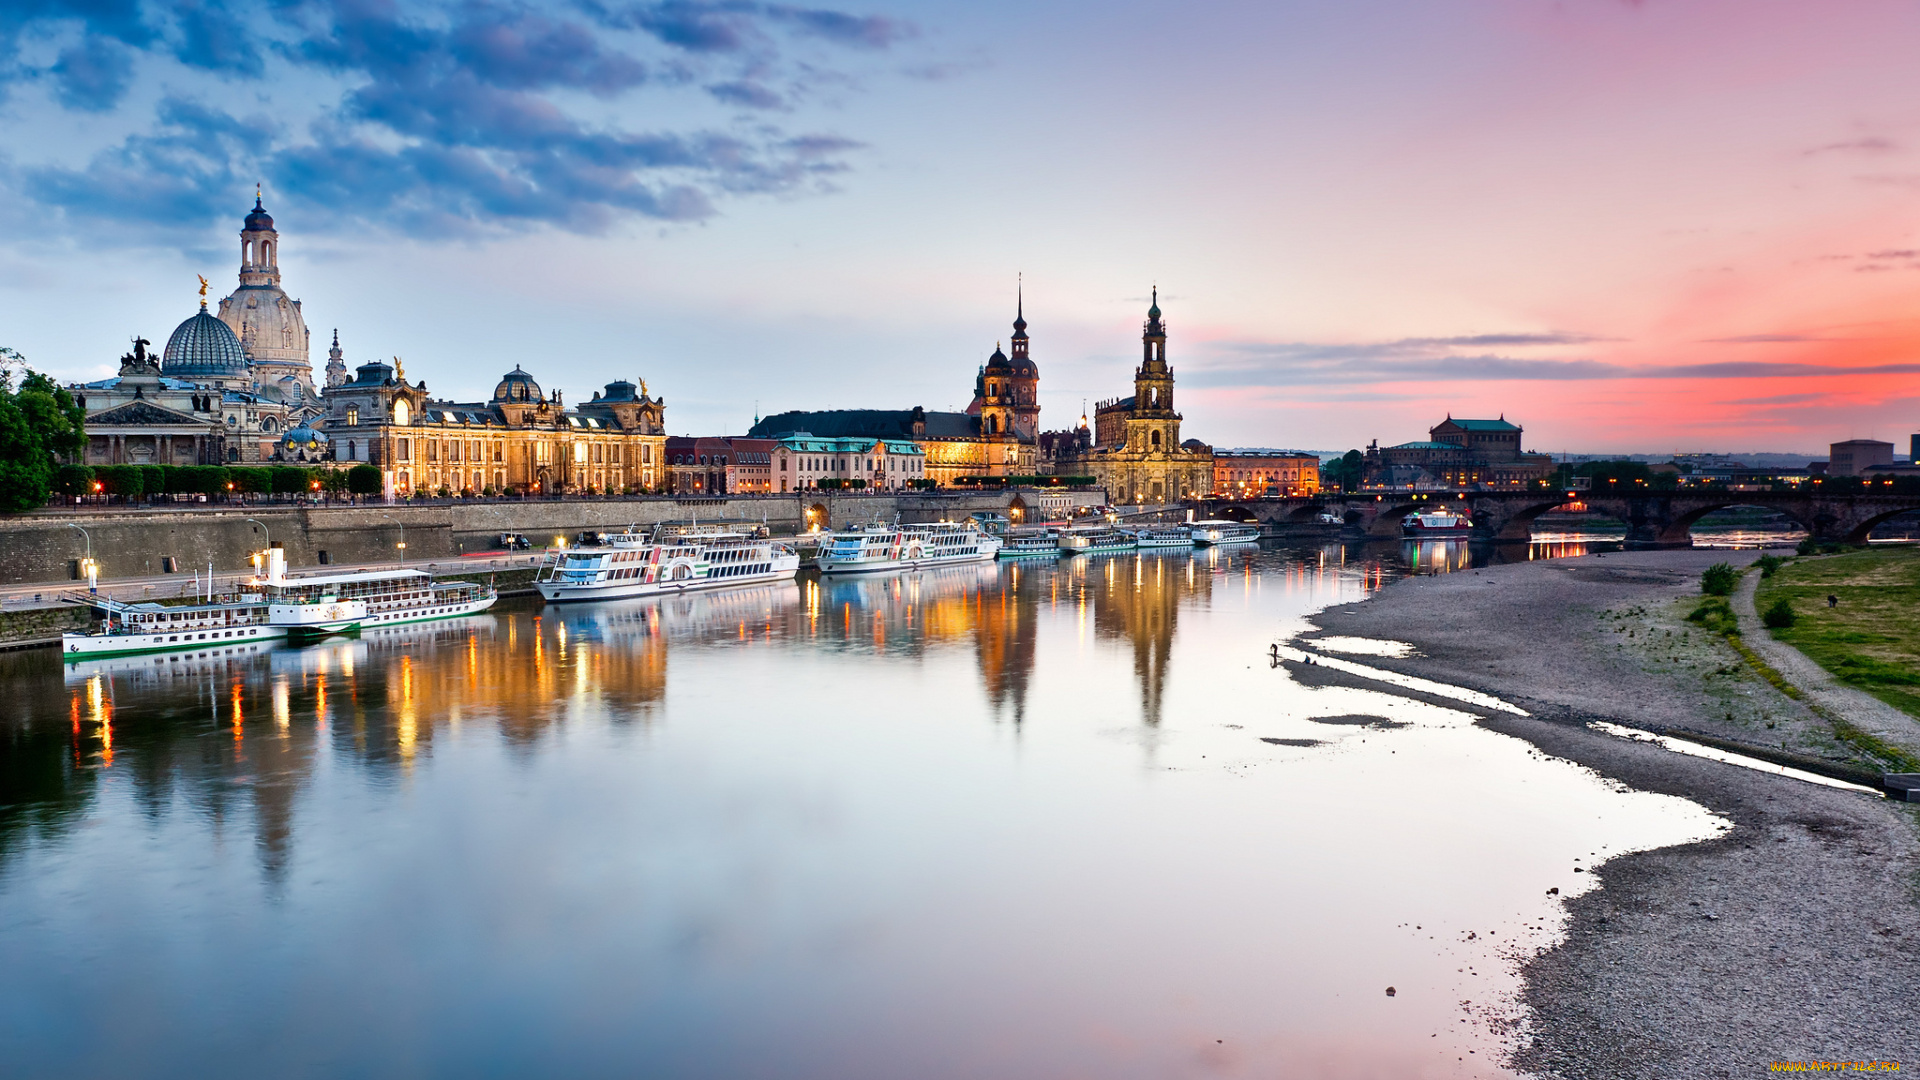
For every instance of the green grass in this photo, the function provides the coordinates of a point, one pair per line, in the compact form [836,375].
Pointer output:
[1872,639]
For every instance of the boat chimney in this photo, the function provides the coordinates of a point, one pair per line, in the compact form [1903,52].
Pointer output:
[276,563]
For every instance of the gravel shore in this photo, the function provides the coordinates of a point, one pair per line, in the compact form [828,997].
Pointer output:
[1795,937]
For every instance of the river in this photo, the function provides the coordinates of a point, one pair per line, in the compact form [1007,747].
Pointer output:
[1020,820]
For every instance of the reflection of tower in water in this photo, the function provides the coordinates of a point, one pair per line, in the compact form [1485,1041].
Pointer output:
[1004,640]
[1137,598]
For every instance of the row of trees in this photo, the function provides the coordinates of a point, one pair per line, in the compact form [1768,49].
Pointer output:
[132,482]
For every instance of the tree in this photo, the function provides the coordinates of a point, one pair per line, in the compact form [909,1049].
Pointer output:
[251,480]
[363,480]
[39,424]
[291,480]
[1344,472]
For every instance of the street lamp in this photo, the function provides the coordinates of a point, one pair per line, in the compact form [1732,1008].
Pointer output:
[87,565]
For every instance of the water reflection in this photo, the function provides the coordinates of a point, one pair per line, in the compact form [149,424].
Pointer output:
[1030,819]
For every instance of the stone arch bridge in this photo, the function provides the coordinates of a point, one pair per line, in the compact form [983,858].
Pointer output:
[1653,518]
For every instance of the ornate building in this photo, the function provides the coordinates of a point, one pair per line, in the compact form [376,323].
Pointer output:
[997,435]
[1458,454]
[269,324]
[521,440]
[1135,450]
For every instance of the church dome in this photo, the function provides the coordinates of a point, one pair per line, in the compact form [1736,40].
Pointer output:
[203,347]
[997,363]
[517,385]
[259,218]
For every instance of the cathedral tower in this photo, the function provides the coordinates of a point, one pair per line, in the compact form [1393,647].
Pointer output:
[1024,377]
[1153,427]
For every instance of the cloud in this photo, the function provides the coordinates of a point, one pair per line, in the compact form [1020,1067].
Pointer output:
[1870,145]
[462,113]
[1780,399]
[1763,339]
[92,75]
[1904,180]
[1266,364]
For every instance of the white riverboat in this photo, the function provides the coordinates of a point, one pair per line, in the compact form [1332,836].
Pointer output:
[871,548]
[1222,533]
[1436,523]
[273,605]
[1164,536]
[1096,540]
[667,561]
[1031,544]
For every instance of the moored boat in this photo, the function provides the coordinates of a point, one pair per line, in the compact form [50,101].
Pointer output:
[1096,540]
[1031,544]
[669,560]
[1439,522]
[1164,536]
[1220,533]
[873,548]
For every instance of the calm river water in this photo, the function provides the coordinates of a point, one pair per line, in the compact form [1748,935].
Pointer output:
[1027,820]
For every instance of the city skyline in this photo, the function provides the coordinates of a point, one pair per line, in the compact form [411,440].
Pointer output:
[1633,227]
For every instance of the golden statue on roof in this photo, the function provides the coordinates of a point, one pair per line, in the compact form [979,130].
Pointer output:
[399,369]
[643,388]
[203,289]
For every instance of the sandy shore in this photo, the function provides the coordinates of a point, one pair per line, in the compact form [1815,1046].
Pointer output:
[1795,937]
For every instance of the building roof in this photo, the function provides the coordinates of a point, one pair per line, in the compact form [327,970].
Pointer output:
[1427,446]
[872,423]
[203,347]
[1481,425]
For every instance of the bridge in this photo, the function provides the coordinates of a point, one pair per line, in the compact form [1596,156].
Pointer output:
[1653,518]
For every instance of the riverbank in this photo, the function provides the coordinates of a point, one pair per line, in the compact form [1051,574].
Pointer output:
[1793,937]
[1869,636]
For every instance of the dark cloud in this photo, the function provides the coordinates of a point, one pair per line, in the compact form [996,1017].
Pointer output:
[92,75]
[1763,339]
[1248,364]
[747,94]
[1781,399]
[1870,145]
[458,113]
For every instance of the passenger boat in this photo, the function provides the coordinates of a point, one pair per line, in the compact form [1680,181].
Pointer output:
[1220,533]
[1164,536]
[873,548]
[1031,544]
[1440,522]
[669,560]
[1096,540]
[273,606]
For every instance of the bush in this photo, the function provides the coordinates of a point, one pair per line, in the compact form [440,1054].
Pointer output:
[1719,580]
[1779,616]
[1769,565]
[73,480]
[124,480]
[363,480]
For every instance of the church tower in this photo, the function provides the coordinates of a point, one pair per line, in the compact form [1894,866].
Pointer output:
[336,363]
[1153,427]
[1024,378]
[993,391]
[268,323]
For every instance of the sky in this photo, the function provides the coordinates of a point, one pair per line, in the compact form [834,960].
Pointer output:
[1629,225]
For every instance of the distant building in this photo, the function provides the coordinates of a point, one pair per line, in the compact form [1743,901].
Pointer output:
[803,461]
[1855,456]
[520,441]
[1459,454]
[1251,473]
[722,465]
[1135,450]
[995,436]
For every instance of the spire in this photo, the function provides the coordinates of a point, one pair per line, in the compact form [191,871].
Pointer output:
[1154,311]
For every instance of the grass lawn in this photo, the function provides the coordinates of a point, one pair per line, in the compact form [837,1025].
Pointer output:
[1872,640]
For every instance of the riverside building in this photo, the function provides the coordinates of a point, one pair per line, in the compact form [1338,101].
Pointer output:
[1251,473]
[520,441]
[1483,454]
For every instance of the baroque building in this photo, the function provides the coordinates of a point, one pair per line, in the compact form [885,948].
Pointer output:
[268,323]
[1458,454]
[997,434]
[521,440]
[1134,450]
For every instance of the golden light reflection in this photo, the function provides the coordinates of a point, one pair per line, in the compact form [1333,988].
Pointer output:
[282,711]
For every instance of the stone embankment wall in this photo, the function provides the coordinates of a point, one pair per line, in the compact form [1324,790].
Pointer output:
[40,547]
[39,624]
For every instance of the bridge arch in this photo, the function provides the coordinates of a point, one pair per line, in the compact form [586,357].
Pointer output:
[1679,529]
[1386,522]
[1508,521]
[1235,512]
[1865,527]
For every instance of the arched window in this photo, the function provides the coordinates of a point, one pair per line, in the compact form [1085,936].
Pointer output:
[1154,440]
